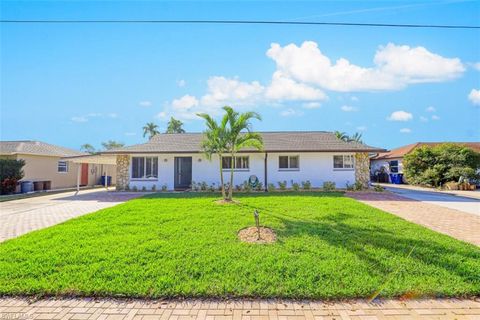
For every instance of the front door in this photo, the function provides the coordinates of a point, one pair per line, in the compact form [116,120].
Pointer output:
[84,177]
[183,173]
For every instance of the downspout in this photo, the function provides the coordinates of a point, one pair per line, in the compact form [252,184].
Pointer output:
[266,175]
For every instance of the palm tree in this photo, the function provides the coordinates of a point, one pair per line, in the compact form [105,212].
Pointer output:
[341,135]
[112,144]
[237,139]
[175,126]
[87,147]
[357,137]
[151,129]
[214,142]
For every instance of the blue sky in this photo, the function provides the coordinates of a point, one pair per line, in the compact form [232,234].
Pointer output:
[71,84]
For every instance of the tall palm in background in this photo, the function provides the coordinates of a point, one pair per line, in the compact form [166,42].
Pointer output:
[214,142]
[341,135]
[87,147]
[150,129]
[357,137]
[175,126]
[237,138]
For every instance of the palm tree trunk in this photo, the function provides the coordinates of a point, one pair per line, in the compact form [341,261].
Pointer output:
[221,178]
[230,191]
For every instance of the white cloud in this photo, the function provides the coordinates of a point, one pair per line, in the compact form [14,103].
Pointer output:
[185,103]
[222,91]
[181,83]
[474,96]
[400,116]
[395,67]
[348,108]
[405,130]
[145,103]
[284,88]
[354,98]
[290,113]
[79,119]
[435,117]
[431,109]
[312,105]
[362,128]
[423,119]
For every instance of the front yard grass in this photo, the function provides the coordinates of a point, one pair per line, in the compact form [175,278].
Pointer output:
[171,245]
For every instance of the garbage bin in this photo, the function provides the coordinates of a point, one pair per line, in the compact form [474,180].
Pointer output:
[26,186]
[109,180]
[394,178]
[400,178]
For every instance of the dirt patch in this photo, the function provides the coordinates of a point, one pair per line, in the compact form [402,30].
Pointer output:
[250,234]
[223,201]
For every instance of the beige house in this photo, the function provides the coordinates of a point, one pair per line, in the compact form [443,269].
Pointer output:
[46,165]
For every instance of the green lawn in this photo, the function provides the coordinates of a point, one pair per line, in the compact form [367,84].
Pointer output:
[167,245]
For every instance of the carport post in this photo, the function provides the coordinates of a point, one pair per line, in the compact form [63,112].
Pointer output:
[78,177]
[106,178]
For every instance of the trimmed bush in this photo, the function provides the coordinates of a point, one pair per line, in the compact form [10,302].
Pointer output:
[329,186]
[306,185]
[11,171]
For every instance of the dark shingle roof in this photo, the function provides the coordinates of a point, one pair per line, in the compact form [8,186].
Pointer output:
[311,141]
[36,148]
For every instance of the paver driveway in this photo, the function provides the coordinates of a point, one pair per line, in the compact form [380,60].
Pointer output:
[18,217]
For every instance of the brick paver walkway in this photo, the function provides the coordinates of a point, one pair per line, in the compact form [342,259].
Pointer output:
[18,217]
[458,224]
[105,309]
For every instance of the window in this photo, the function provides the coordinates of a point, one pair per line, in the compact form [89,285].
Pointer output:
[241,163]
[62,166]
[288,162]
[343,162]
[144,167]
[393,166]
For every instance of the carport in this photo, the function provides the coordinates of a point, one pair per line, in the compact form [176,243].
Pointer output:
[104,159]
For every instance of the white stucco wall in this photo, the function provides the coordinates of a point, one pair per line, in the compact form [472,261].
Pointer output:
[316,167]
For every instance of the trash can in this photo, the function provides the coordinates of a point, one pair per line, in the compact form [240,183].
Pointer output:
[27,186]
[394,178]
[38,185]
[400,178]
[109,180]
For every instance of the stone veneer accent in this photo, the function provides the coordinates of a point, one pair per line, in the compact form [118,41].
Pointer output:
[123,176]
[362,169]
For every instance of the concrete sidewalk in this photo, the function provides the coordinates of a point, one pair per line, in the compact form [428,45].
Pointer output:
[460,193]
[18,217]
[108,309]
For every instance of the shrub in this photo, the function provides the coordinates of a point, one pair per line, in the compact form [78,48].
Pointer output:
[440,164]
[349,187]
[134,189]
[295,186]
[164,187]
[358,186]
[246,187]
[378,188]
[127,187]
[282,185]
[270,187]
[329,186]
[306,185]
[154,188]
[203,186]
[451,185]
[144,189]
[238,187]
[259,186]
[211,188]
[10,173]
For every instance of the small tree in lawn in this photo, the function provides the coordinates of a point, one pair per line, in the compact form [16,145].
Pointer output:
[239,135]
[214,142]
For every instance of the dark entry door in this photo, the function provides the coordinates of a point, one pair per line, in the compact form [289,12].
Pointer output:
[183,173]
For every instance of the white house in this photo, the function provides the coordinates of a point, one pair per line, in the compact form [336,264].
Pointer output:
[175,160]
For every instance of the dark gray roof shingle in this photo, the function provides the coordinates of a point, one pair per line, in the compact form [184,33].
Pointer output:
[293,141]
[36,148]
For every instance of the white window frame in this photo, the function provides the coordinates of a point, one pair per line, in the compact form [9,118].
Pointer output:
[235,163]
[289,168]
[144,178]
[62,164]
[344,156]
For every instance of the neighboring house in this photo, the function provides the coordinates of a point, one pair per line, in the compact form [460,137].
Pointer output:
[175,160]
[392,161]
[45,163]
